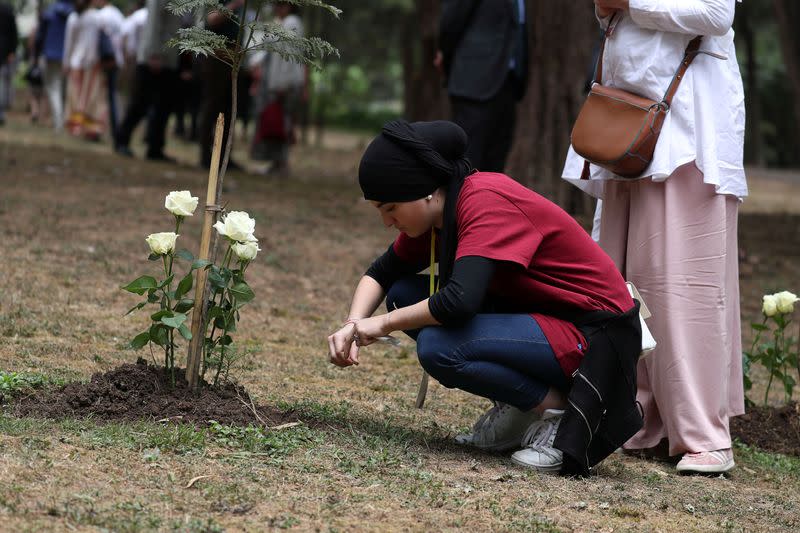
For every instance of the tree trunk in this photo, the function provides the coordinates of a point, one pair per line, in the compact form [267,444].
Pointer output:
[754,153]
[424,98]
[561,39]
[786,14]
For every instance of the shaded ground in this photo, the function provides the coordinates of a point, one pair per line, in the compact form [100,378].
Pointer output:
[73,220]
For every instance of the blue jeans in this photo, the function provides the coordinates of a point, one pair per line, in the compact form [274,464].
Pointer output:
[503,357]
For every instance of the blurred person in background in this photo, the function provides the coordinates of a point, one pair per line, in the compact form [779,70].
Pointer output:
[215,79]
[155,82]
[8,47]
[129,38]
[280,85]
[33,75]
[87,104]
[190,89]
[50,38]
[110,20]
[483,58]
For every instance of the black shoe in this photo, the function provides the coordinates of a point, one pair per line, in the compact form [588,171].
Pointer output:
[161,156]
[123,150]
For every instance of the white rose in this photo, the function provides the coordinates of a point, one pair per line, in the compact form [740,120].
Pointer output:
[162,243]
[246,251]
[237,226]
[181,203]
[785,301]
[770,305]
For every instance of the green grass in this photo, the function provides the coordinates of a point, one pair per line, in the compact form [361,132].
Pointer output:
[155,439]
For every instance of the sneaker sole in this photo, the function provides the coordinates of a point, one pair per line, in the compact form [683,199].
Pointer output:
[502,447]
[547,469]
[707,469]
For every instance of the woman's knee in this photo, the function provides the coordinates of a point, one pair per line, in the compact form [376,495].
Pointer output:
[439,359]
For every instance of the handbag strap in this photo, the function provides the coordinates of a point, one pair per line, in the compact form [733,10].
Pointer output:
[691,52]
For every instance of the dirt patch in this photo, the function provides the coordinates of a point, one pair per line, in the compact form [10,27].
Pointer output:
[142,391]
[776,429]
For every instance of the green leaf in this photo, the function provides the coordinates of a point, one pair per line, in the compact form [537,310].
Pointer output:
[158,315]
[242,292]
[758,327]
[174,321]
[184,286]
[184,305]
[200,263]
[184,331]
[158,334]
[225,340]
[154,257]
[141,285]
[216,281]
[152,296]
[140,340]
[185,254]
[166,281]
[136,308]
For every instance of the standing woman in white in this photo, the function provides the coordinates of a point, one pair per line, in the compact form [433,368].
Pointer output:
[87,106]
[673,231]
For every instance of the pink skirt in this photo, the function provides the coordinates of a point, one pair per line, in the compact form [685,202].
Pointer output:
[676,241]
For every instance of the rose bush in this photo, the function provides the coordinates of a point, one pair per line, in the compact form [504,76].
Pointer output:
[780,353]
[229,290]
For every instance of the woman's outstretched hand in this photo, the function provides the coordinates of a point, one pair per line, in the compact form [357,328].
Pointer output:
[343,345]
[342,348]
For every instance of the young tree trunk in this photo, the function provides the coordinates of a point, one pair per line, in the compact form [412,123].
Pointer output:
[424,98]
[786,14]
[561,39]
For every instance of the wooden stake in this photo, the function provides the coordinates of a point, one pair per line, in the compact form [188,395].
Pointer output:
[210,215]
[423,390]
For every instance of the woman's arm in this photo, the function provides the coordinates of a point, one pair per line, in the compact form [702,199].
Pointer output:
[695,17]
[459,301]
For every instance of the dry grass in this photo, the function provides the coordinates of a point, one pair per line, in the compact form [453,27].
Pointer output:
[73,221]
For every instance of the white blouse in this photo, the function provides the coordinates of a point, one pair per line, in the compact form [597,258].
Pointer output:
[706,121]
[81,40]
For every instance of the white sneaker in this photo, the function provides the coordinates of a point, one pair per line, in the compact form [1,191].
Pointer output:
[499,429]
[538,451]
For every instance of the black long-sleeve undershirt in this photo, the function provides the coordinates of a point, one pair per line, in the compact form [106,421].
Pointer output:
[458,301]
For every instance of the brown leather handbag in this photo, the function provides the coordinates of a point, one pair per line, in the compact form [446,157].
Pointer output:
[618,130]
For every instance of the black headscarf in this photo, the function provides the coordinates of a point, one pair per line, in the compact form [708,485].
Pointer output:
[409,161]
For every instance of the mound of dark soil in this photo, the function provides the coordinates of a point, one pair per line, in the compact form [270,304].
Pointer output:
[770,428]
[142,392]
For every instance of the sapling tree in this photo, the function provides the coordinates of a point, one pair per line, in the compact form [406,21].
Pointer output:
[252,35]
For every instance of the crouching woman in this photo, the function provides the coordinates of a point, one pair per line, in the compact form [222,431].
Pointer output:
[529,312]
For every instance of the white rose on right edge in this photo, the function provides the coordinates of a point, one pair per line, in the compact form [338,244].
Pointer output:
[770,305]
[162,243]
[246,251]
[181,203]
[237,226]
[785,301]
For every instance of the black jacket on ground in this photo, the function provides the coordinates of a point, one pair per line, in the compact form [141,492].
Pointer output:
[602,411]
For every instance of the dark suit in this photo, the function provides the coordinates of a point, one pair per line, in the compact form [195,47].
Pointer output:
[479,40]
